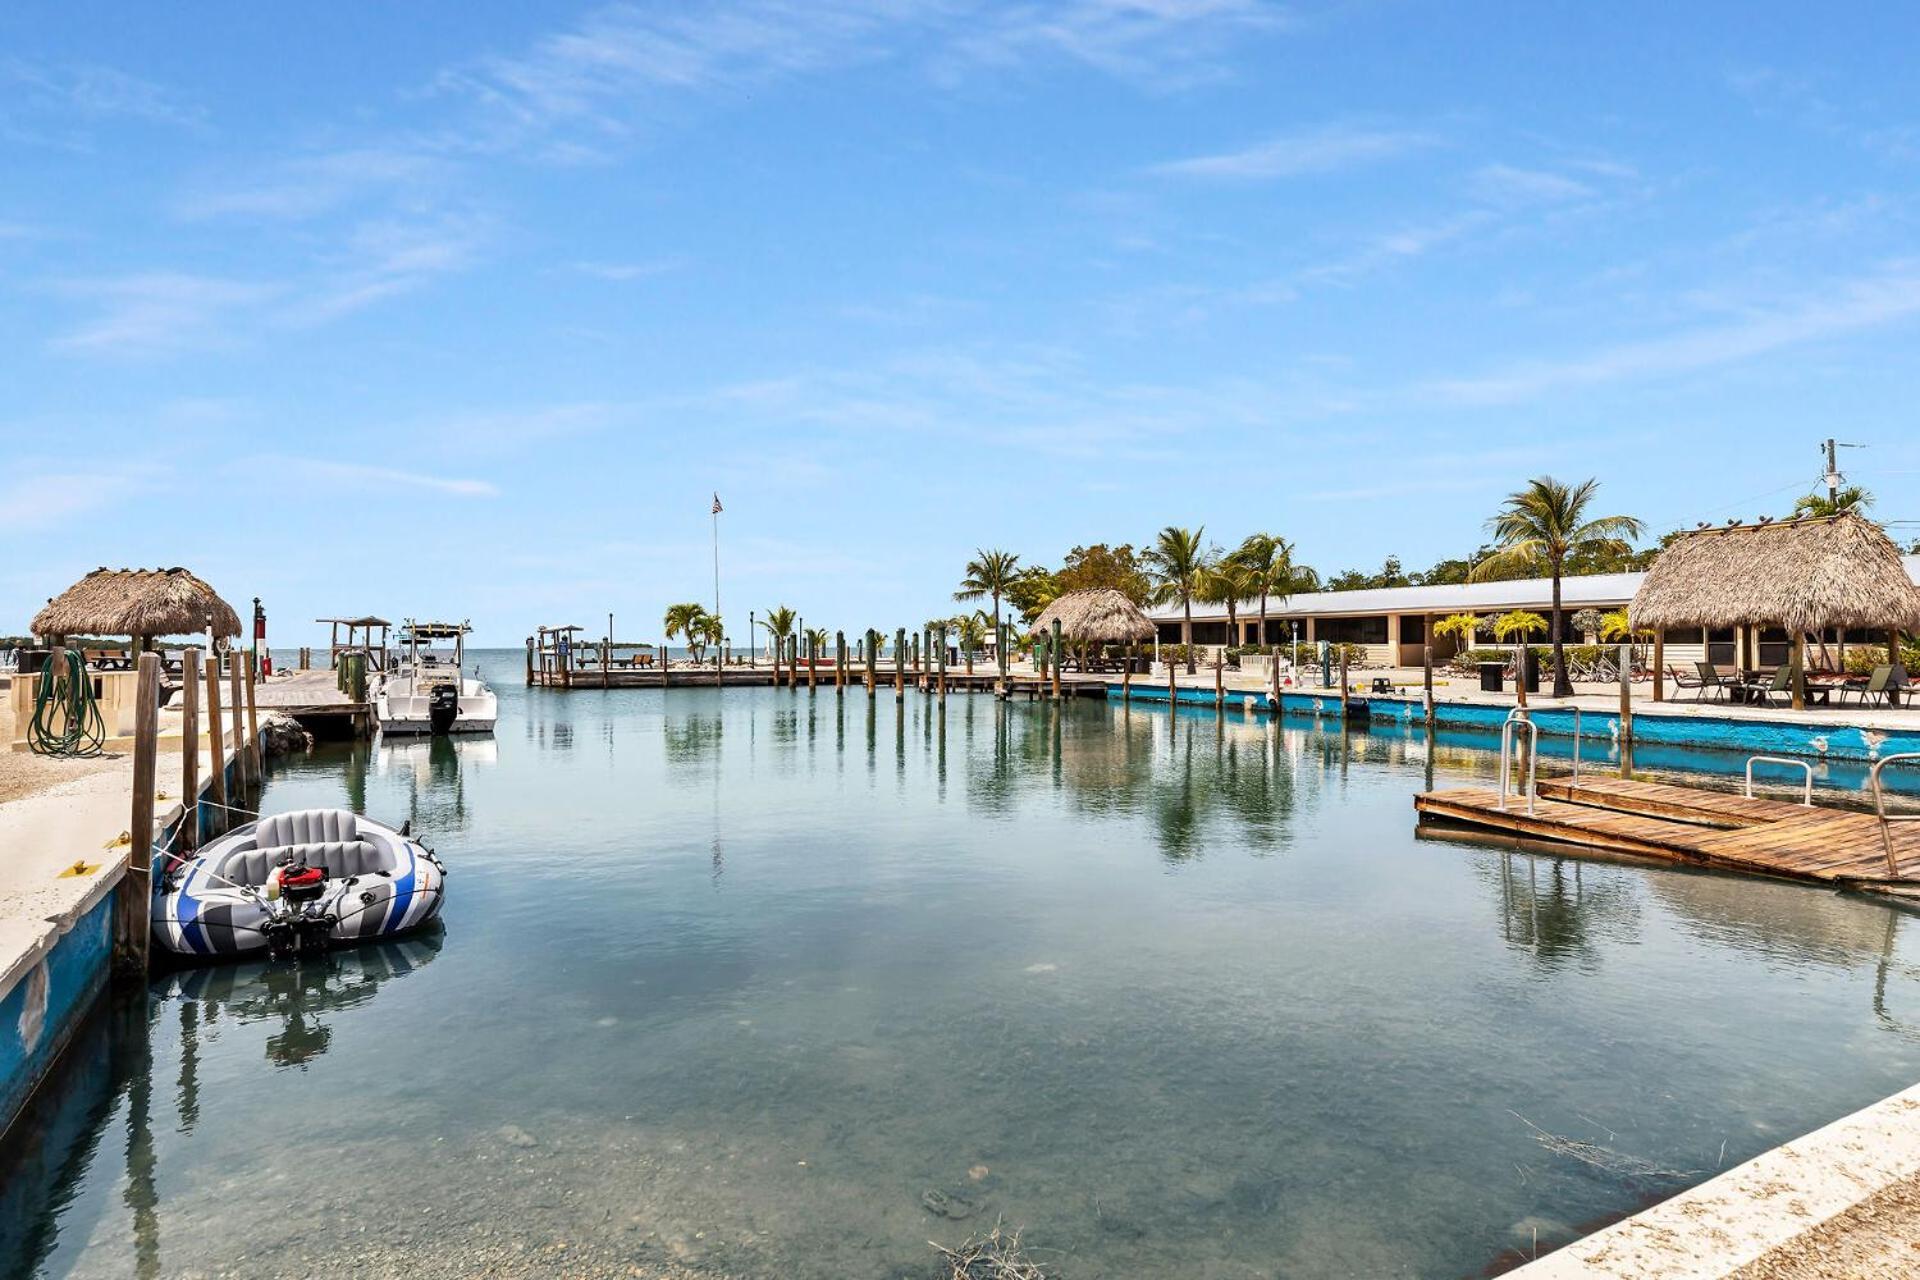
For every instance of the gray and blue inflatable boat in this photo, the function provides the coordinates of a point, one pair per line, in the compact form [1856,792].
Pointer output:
[300,881]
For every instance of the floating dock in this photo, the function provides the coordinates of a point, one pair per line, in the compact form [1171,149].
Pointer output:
[1690,824]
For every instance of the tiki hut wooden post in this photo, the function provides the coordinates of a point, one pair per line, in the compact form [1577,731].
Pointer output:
[1804,576]
[1659,664]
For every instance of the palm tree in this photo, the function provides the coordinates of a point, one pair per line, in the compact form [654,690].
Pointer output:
[680,621]
[1175,562]
[779,624]
[1851,498]
[971,631]
[707,629]
[989,573]
[1227,581]
[1268,561]
[1538,528]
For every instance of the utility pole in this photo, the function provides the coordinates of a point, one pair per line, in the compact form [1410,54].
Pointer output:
[1833,471]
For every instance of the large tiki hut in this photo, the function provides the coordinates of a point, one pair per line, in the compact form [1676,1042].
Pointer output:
[139,604]
[1812,576]
[1095,617]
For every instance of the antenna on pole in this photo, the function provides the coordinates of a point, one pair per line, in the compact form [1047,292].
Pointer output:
[1833,468]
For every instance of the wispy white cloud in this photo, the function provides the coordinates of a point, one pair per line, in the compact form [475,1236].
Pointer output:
[626,272]
[1325,149]
[1508,184]
[157,312]
[294,470]
[305,186]
[384,259]
[38,496]
[1884,297]
[596,80]
[93,92]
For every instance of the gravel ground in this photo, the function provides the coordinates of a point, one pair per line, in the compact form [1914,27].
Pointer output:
[22,773]
[1878,1239]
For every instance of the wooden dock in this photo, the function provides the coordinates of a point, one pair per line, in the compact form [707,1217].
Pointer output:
[1689,824]
[314,699]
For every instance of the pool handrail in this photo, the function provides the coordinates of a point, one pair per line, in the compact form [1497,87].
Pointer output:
[1880,807]
[1806,789]
[1518,716]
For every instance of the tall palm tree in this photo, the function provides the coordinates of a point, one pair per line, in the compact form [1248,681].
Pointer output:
[1267,559]
[1175,561]
[989,573]
[1851,498]
[779,624]
[1538,528]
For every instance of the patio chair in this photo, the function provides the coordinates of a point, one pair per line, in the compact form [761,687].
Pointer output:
[1876,686]
[1711,681]
[1763,692]
[1683,681]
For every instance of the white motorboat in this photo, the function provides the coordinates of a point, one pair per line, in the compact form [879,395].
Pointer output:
[426,690]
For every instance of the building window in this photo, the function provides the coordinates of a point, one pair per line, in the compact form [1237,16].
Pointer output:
[1367,630]
[1720,647]
[1413,628]
[1684,635]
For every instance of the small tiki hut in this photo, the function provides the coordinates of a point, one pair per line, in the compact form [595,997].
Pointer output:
[1096,617]
[1804,576]
[139,604]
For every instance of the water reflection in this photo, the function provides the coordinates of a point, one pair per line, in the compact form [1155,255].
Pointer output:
[1547,907]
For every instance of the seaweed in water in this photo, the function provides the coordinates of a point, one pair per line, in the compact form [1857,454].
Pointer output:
[994,1256]
[1604,1159]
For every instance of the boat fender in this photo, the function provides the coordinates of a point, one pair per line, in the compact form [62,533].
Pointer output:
[273,883]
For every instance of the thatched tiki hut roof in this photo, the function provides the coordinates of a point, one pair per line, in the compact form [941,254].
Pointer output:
[1801,575]
[1098,616]
[138,603]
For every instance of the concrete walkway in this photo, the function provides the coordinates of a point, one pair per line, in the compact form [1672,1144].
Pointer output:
[1782,1214]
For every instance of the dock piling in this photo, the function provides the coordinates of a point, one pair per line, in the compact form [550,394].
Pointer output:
[873,638]
[1220,679]
[1626,694]
[1343,687]
[840,661]
[190,750]
[1054,653]
[1426,680]
[132,903]
[240,761]
[813,664]
[217,779]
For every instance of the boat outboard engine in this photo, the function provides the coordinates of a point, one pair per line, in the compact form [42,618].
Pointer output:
[443,707]
[299,924]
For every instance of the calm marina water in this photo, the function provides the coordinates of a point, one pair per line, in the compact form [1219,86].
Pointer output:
[776,984]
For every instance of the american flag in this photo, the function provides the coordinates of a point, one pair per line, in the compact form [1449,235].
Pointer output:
[717,508]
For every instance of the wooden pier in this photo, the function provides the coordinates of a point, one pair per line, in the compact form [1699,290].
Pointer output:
[1690,824]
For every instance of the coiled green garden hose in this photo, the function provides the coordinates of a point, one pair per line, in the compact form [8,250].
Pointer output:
[66,719]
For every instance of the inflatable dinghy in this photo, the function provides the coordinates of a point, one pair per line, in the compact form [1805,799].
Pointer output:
[300,881]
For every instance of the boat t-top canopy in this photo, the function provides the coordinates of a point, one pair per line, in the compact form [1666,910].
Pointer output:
[434,630]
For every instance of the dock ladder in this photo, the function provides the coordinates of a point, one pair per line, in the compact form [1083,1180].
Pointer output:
[1806,786]
[1880,807]
[1519,718]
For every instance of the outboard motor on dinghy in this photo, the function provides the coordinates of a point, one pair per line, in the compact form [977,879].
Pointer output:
[298,924]
[443,706]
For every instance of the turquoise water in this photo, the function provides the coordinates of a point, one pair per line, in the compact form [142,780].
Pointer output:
[773,984]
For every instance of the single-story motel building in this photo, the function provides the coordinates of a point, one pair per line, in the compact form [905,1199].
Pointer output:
[1394,623]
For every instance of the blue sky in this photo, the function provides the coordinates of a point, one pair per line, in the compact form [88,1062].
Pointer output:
[468,309]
